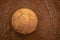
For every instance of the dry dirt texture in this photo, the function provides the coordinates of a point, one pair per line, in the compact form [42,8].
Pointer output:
[48,12]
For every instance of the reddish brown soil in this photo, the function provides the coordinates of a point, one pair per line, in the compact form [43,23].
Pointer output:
[48,27]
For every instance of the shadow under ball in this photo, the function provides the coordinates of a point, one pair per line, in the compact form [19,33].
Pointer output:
[24,21]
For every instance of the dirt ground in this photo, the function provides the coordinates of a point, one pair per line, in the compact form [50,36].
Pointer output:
[47,11]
